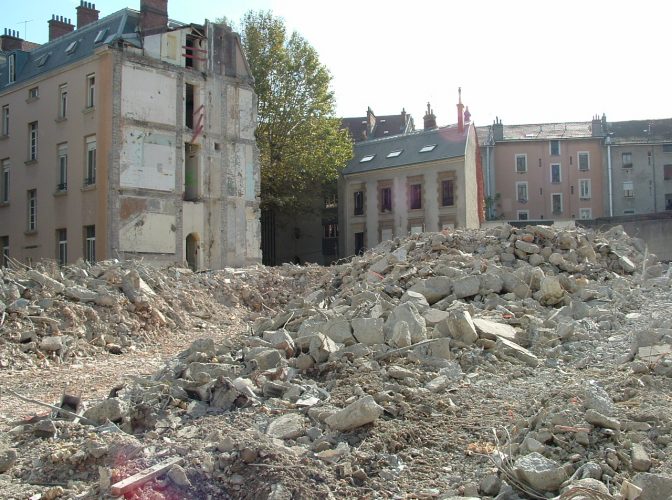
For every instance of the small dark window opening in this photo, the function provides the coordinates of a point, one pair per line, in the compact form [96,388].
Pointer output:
[359,203]
[189,106]
[359,243]
[386,199]
[189,58]
[447,193]
[416,196]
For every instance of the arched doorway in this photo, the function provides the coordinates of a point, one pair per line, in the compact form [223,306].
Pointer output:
[192,251]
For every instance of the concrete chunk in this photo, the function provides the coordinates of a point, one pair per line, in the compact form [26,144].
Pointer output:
[289,426]
[492,330]
[539,472]
[368,331]
[361,412]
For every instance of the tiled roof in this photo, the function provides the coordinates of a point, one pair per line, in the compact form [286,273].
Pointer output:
[51,55]
[641,131]
[449,143]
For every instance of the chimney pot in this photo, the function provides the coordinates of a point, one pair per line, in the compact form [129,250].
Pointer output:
[59,26]
[86,14]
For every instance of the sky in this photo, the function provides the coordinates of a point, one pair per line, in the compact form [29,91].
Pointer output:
[524,61]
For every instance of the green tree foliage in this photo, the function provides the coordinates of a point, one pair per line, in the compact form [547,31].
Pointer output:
[301,145]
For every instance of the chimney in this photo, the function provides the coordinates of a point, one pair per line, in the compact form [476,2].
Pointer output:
[429,118]
[467,115]
[403,120]
[10,41]
[59,26]
[596,126]
[86,14]
[370,122]
[153,16]
[460,111]
[498,130]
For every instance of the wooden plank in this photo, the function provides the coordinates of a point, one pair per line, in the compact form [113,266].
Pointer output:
[142,477]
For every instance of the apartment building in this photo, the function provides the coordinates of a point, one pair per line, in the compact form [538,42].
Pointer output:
[638,166]
[547,171]
[129,136]
[428,180]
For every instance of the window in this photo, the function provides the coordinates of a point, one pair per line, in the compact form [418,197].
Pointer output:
[4,251]
[62,167]
[447,193]
[359,202]
[90,161]
[584,161]
[386,199]
[626,159]
[62,246]
[331,230]
[523,214]
[585,213]
[4,186]
[394,154]
[366,158]
[584,189]
[359,243]
[521,192]
[521,164]
[427,148]
[555,148]
[555,173]
[556,203]
[63,101]
[668,201]
[667,148]
[33,93]
[667,172]
[628,189]
[32,141]
[415,196]
[41,61]
[5,119]
[90,243]
[11,68]
[90,90]
[629,211]
[32,210]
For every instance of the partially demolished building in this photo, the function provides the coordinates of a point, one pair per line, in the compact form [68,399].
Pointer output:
[131,136]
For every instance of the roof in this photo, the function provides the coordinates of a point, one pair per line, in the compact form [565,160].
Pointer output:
[53,54]
[547,131]
[640,131]
[448,141]
[384,126]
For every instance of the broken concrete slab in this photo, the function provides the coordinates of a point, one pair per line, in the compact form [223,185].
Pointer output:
[507,350]
[492,330]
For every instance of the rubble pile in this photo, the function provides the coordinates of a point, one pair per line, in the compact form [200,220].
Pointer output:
[505,363]
[50,314]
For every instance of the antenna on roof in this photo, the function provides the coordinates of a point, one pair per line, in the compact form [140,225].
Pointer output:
[25,28]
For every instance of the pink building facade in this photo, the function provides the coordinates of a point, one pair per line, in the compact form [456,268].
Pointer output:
[550,171]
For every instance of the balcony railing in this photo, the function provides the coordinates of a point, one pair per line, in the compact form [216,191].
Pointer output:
[63,186]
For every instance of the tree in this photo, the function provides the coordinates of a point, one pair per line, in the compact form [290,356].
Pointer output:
[302,147]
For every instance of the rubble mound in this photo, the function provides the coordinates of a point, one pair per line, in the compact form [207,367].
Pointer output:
[56,315]
[504,363]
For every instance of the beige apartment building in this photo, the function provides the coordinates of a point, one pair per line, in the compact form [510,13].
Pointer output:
[543,172]
[131,136]
[423,181]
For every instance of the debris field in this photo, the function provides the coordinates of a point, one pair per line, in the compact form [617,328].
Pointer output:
[505,363]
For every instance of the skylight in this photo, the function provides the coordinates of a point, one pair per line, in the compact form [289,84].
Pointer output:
[394,154]
[100,36]
[71,48]
[366,158]
[42,59]
[427,148]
